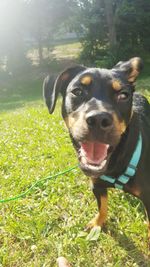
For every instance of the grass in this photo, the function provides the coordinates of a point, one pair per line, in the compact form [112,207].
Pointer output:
[49,222]
[62,51]
[67,50]
[16,93]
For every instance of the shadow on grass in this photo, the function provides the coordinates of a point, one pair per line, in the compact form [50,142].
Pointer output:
[28,86]
[15,94]
[134,253]
[127,244]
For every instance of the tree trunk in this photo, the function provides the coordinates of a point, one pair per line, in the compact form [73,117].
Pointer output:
[40,50]
[110,18]
[39,32]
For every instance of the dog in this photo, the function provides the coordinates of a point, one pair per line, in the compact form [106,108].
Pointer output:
[109,125]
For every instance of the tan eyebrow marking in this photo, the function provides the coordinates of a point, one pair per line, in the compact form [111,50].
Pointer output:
[116,84]
[86,80]
[133,75]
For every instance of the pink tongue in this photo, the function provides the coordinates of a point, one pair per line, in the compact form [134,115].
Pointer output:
[94,152]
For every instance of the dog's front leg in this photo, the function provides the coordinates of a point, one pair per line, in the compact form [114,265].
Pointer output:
[102,199]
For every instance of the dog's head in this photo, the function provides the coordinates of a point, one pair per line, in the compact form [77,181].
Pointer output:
[97,109]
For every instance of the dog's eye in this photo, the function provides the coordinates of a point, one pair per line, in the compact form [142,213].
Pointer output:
[77,92]
[123,96]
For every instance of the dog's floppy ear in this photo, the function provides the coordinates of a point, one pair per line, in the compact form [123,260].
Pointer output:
[130,68]
[52,87]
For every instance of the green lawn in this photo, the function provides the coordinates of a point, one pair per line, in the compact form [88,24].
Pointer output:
[50,221]
[60,52]
[67,50]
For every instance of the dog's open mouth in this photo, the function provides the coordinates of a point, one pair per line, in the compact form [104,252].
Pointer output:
[93,155]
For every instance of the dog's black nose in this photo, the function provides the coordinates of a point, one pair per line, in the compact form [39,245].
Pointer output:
[103,120]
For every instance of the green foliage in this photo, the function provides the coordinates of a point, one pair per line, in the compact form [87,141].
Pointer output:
[115,29]
[49,222]
[133,18]
[25,24]
[109,30]
[12,28]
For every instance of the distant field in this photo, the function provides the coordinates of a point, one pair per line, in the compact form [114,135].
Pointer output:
[50,221]
[67,51]
[63,51]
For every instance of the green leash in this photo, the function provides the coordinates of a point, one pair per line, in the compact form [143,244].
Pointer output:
[36,183]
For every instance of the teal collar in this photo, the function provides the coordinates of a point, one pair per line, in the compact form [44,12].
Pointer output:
[130,170]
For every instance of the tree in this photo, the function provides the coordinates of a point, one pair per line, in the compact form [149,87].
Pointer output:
[110,19]
[91,22]
[12,27]
[132,27]
[29,21]
[44,19]
[114,29]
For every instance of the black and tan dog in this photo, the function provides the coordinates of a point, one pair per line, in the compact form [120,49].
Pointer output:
[109,125]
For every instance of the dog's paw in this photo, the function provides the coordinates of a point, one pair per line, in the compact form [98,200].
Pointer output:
[92,224]
[95,222]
